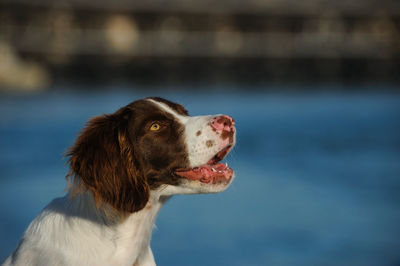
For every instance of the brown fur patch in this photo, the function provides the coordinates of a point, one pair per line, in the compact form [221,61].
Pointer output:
[120,160]
[227,134]
[198,133]
[103,159]
[209,143]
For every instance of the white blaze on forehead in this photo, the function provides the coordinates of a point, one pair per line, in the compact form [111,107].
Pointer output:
[163,106]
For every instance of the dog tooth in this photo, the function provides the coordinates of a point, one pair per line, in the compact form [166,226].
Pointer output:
[220,171]
[213,170]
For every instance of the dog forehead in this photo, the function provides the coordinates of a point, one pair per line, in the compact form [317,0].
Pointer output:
[174,106]
[167,108]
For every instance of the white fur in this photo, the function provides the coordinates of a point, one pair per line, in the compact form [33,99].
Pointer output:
[70,231]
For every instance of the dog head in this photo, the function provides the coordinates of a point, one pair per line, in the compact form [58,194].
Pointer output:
[151,145]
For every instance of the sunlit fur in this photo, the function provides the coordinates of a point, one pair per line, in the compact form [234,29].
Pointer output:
[108,214]
[96,155]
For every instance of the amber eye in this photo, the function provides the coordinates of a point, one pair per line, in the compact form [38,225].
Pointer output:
[155,127]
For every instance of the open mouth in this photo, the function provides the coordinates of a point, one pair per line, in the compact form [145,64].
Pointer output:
[213,172]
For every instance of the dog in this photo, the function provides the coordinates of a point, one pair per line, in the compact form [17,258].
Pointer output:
[123,167]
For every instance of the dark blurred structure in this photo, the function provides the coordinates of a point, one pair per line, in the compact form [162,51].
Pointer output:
[159,42]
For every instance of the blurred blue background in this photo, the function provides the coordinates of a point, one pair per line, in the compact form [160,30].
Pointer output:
[317,175]
[313,86]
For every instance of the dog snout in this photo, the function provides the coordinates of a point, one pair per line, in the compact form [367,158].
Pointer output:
[223,123]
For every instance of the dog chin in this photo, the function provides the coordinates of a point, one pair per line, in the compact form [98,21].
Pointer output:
[195,187]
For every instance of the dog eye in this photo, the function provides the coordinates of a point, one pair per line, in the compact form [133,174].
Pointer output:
[155,127]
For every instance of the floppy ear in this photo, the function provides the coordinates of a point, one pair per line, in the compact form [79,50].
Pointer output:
[102,160]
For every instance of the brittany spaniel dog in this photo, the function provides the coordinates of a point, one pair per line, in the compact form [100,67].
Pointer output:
[123,168]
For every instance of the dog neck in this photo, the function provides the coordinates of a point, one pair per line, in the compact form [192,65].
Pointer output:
[126,238]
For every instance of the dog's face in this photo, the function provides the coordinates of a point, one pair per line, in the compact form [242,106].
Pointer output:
[151,145]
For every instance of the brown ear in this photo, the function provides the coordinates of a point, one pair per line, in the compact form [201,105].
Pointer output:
[102,159]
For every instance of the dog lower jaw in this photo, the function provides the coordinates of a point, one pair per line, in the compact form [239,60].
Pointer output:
[189,187]
[212,174]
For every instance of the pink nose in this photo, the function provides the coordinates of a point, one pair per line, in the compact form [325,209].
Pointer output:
[223,123]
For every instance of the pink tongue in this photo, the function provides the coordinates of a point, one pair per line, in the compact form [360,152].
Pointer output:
[206,175]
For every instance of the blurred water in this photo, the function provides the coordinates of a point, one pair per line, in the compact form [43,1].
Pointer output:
[318,176]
